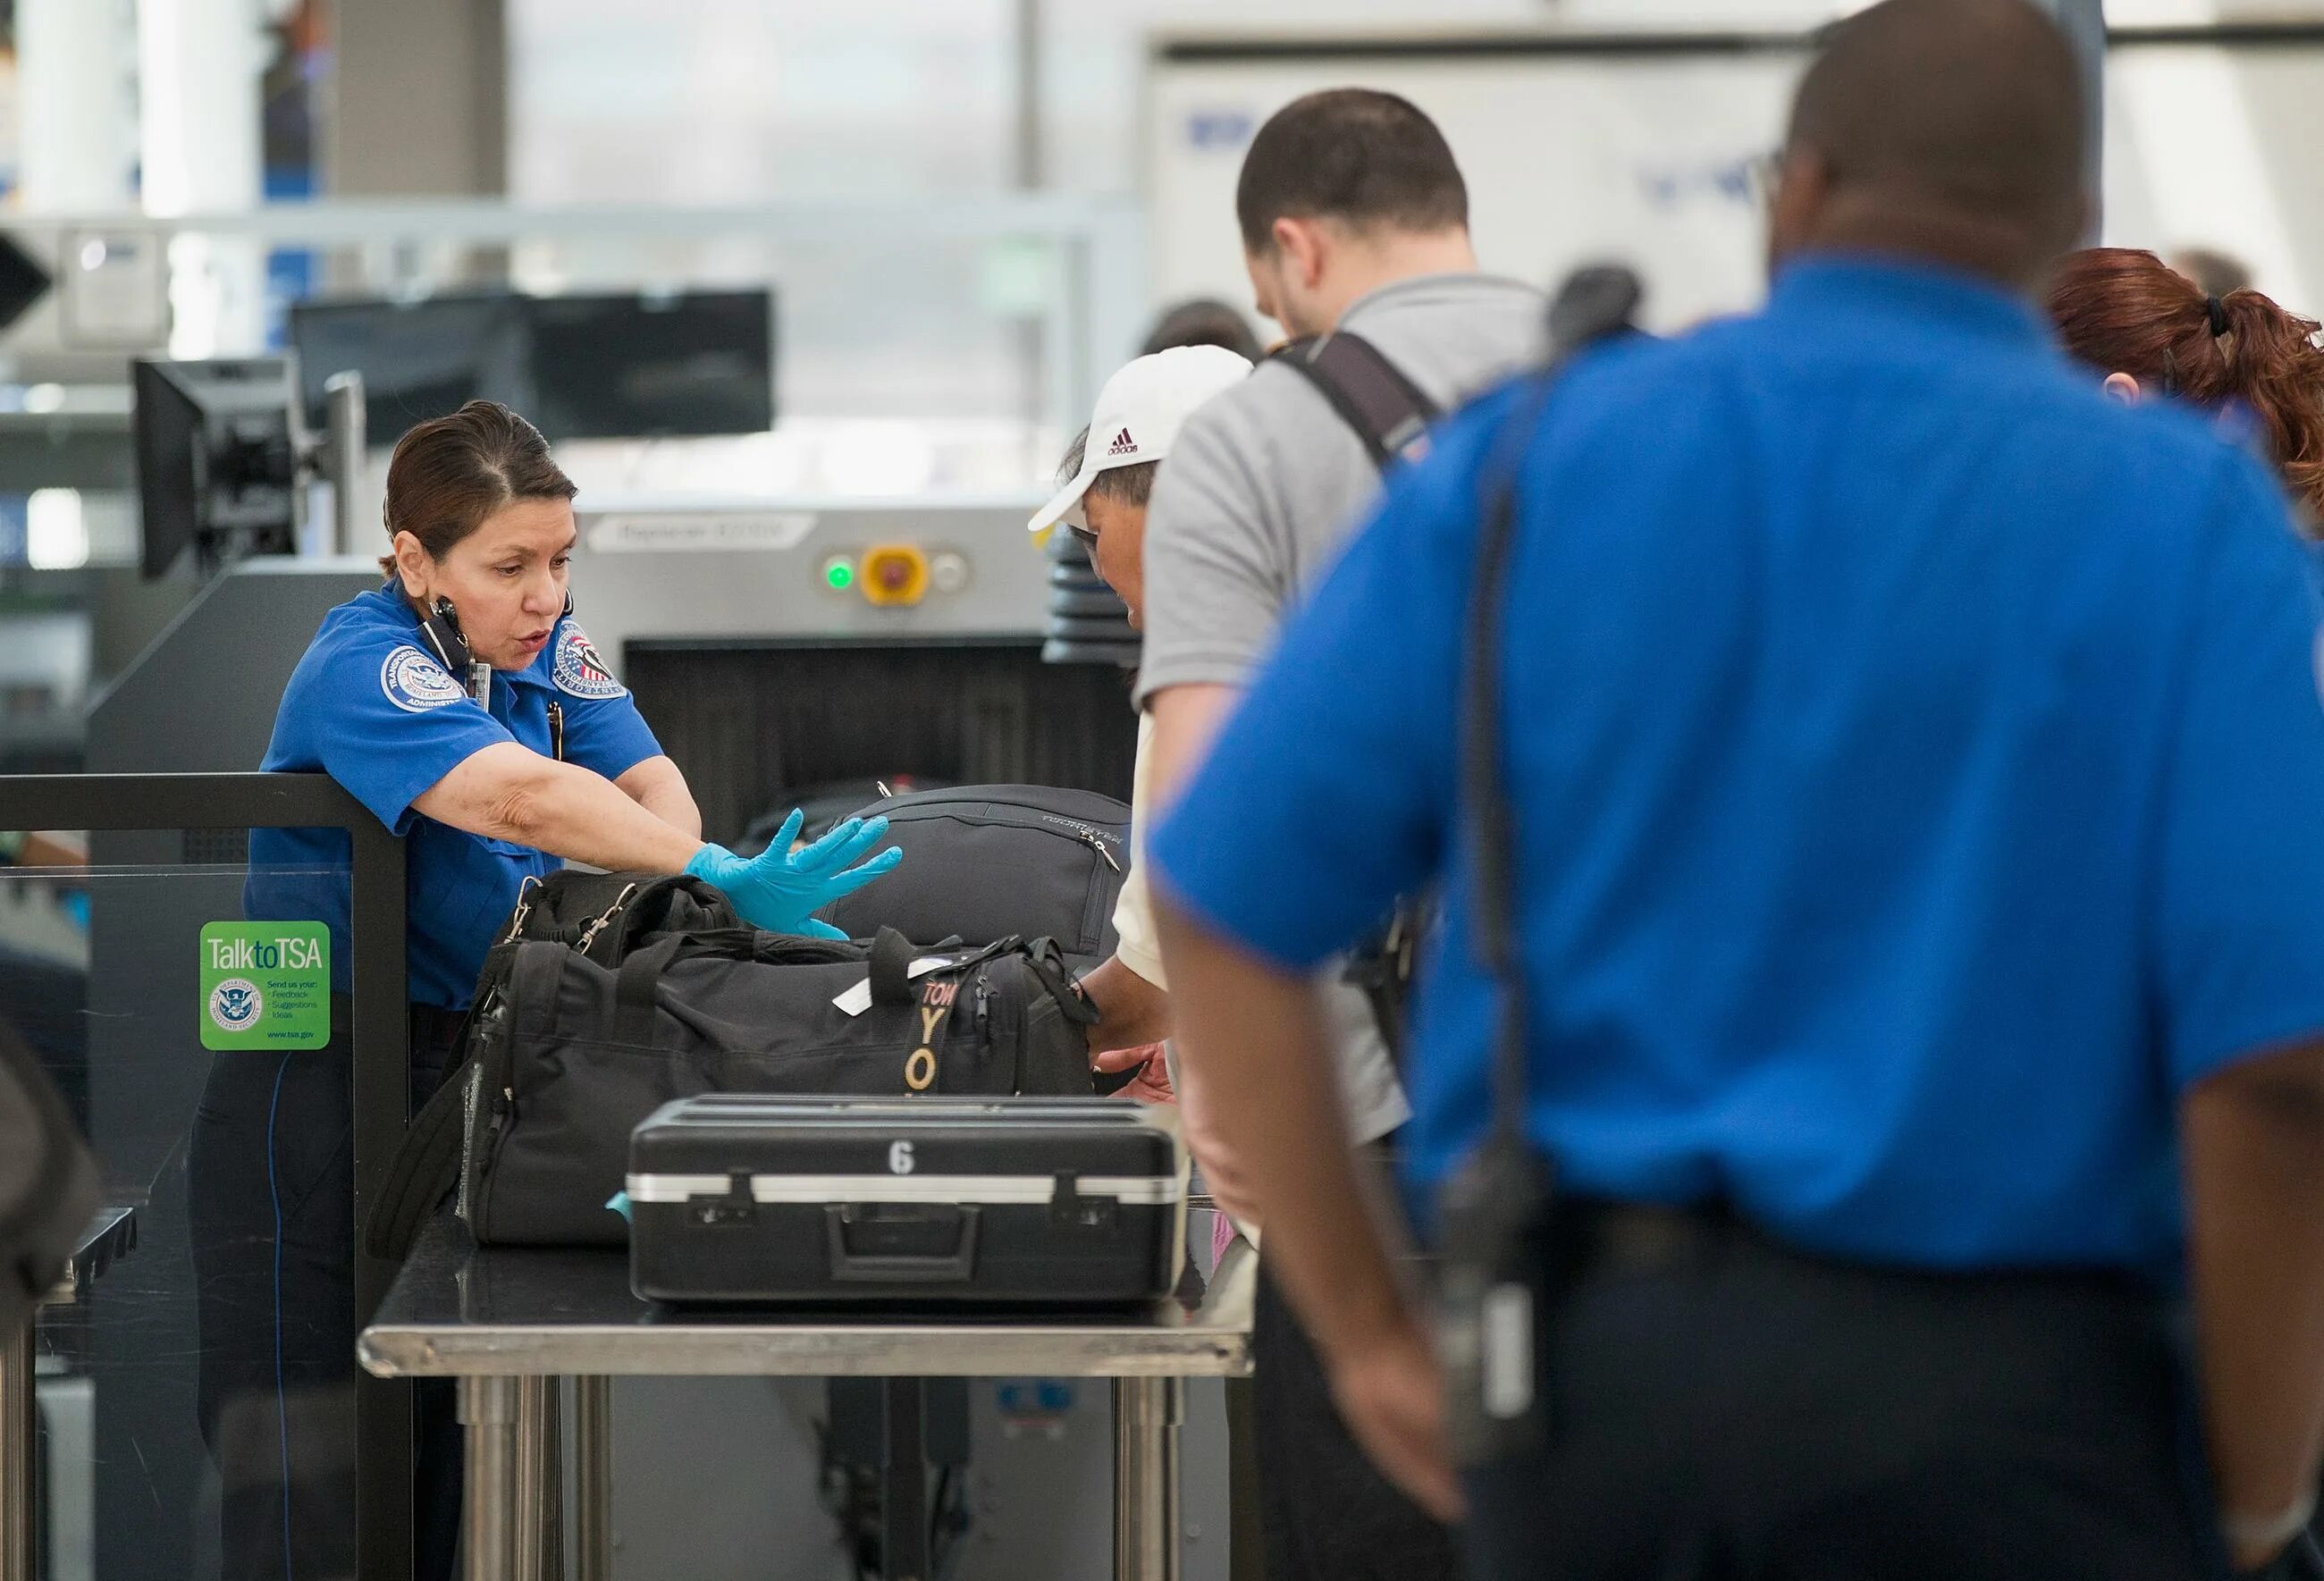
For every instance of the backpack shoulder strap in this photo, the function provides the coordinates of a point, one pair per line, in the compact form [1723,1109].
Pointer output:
[424,1170]
[426,1166]
[1389,412]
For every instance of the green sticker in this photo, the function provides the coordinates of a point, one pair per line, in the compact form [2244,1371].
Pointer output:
[266,985]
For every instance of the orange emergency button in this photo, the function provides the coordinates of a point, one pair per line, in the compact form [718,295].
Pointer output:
[894,575]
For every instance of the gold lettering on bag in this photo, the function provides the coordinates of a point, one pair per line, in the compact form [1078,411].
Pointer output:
[921,1065]
[920,1069]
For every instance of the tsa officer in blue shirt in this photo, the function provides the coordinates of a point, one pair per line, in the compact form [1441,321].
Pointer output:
[463,704]
[1914,882]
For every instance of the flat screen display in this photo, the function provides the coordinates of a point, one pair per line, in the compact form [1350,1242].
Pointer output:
[418,359]
[642,364]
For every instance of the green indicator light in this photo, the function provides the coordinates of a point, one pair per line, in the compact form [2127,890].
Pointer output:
[839,574]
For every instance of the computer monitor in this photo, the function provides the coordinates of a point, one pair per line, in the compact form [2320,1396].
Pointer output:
[217,460]
[642,364]
[418,359]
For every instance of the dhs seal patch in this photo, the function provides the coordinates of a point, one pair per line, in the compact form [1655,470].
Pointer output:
[416,682]
[236,1004]
[577,668]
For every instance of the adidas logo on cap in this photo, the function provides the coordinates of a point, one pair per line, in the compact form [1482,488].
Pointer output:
[1123,444]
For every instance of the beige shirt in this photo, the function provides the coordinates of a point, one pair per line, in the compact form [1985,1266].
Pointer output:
[1133,911]
[1375,1102]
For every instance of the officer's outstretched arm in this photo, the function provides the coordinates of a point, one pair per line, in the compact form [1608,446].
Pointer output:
[507,792]
[659,786]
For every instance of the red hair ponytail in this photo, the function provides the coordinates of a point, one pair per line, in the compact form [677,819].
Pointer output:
[2122,310]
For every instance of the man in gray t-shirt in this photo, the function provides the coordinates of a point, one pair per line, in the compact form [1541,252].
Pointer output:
[1268,480]
[1354,218]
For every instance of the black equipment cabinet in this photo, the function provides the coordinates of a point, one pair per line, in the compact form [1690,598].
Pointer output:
[752,724]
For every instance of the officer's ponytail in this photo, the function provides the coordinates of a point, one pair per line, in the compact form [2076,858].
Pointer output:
[2275,368]
[449,474]
[2122,310]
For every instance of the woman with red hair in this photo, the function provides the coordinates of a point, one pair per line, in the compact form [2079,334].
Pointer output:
[2153,331]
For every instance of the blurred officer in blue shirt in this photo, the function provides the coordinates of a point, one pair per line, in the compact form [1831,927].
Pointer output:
[1917,780]
[464,706]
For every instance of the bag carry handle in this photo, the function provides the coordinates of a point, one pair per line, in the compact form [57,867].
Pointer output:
[849,1266]
[634,982]
[637,979]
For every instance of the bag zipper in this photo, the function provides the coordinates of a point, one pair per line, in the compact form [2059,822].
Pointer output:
[988,816]
[461,1201]
[1003,817]
[1097,843]
[482,1148]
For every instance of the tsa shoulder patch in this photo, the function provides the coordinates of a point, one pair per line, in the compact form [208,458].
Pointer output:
[577,668]
[416,682]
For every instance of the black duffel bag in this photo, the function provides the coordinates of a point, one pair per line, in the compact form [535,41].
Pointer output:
[986,861]
[569,1054]
[604,916]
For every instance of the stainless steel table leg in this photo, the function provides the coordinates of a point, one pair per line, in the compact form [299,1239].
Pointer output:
[488,1410]
[19,1445]
[1147,1414]
[524,1492]
[529,1496]
[552,1480]
[593,1493]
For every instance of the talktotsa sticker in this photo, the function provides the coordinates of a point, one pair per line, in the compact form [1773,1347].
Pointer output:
[265,986]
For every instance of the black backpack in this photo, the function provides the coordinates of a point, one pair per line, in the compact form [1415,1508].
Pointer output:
[986,861]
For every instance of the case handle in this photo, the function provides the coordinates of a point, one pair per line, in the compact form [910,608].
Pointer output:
[855,1234]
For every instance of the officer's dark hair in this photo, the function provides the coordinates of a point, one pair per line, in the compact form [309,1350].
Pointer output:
[449,474]
[1125,485]
[1203,321]
[2125,311]
[1367,158]
[1947,129]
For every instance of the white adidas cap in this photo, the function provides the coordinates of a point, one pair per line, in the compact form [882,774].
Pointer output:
[1139,415]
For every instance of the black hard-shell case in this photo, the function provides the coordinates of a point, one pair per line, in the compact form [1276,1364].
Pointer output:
[1027,1201]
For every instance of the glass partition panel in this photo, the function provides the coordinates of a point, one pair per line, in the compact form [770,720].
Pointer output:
[198,1402]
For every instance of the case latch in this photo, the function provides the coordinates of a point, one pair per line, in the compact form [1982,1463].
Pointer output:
[736,1206]
[1067,1206]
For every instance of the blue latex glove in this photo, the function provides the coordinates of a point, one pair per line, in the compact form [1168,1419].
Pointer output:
[778,890]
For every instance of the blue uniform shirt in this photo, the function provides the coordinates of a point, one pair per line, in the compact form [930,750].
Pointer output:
[368,706]
[1917,766]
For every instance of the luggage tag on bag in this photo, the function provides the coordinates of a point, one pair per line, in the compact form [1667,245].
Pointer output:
[858,999]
